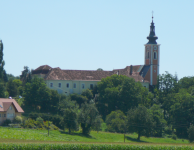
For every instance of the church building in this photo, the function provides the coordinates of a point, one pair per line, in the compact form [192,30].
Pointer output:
[75,81]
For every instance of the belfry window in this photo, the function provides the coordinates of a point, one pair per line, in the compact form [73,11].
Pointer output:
[155,55]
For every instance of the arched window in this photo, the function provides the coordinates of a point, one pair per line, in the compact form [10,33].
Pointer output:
[155,55]
[148,54]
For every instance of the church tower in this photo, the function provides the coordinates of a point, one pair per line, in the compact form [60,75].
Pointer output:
[152,55]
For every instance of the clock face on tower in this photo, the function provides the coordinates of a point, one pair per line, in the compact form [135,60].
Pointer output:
[155,47]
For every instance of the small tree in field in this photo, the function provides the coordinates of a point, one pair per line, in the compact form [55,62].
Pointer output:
[115,122]
[69,111]
[87,117]
[140,120]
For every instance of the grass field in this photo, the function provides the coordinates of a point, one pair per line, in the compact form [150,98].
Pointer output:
[33,135]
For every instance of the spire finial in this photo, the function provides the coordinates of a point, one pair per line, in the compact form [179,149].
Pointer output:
[152,37]
[152,15]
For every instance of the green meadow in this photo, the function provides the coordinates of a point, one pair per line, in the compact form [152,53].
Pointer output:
[32,135]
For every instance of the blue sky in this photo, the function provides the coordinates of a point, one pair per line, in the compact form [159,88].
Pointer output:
[91,34]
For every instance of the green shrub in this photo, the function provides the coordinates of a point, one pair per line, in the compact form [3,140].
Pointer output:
[174,137]
[168,130]
[115,122]
[14,125]
[17,119]
[39,124]
[39,120]
[104,127]
[6,122]
[56,119]
[29,123]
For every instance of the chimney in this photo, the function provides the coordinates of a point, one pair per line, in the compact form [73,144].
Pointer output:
[131,69]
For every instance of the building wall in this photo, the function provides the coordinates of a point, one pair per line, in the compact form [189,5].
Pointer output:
[147,76]
[153,62]
[2,118]
[145,84]
[10,114]
[64,90]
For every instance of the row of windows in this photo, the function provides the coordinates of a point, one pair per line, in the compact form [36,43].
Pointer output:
[3,115]
[155,55]
[10,115]
[74,85]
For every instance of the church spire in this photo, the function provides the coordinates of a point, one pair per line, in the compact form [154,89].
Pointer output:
[152,37]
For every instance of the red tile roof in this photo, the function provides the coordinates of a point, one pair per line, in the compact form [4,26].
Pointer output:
[91,75]
[5,104]
[42,70]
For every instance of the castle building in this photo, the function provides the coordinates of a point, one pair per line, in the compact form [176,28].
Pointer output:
[75,81]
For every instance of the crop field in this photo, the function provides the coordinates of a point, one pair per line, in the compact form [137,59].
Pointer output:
[90,146]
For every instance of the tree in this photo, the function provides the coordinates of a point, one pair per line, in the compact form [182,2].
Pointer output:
[87,116]
[53,102]
[140,120]
[2,89]
[5,77]
[10,76]
[2,62]
[118,92]
[99,69]
[37,95]
[26,75]
[80,99]
[115,122]
[18,83]
[167,87]
[87,93]
[69,111]
[158,118]
[191,133]
[97,123]
[182,113]
[12,88]
[186,82]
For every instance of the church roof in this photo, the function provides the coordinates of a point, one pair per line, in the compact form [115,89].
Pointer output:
[144,70]
[91,75]
[152,36]
[44,69]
